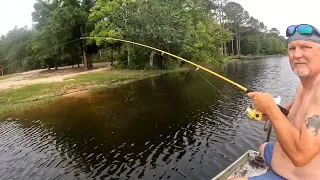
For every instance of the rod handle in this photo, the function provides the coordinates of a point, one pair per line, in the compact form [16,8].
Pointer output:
[282,109]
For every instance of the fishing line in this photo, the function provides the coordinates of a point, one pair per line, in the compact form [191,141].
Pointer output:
[41,52]
[214,86]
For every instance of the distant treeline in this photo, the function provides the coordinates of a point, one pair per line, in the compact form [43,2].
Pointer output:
[198,30]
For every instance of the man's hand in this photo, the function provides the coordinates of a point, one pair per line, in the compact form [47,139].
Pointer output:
[262,101]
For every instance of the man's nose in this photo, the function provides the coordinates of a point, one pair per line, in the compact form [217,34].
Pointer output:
[298,53]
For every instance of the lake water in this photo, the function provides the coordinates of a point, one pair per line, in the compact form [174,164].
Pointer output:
[175,126]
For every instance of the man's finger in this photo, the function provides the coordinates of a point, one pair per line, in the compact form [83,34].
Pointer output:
[252,94]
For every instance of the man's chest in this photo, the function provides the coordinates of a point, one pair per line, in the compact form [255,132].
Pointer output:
[299,111]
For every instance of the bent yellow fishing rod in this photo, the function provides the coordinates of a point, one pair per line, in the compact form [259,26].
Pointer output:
[180,58]
[256,113]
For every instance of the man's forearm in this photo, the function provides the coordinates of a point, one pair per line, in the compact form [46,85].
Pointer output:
[287,134]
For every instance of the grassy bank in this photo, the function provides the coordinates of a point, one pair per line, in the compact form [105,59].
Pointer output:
[6,76]
[249,57]
[227,58]
[38,94]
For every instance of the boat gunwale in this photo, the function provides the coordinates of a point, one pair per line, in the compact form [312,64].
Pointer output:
[235,165]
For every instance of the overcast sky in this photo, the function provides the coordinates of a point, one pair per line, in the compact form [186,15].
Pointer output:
[274,13]
[15,12]
[282,13]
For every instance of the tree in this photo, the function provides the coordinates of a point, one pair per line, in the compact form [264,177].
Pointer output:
[218,13]
[14,48]
[274,32]
[59,22]
[180,27]
[113,19]
[252,45]
[198,30]
[236,17]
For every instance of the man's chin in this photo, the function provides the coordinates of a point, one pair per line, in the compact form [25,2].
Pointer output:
[302,73]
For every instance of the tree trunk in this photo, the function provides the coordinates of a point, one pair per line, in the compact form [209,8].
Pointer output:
[55,64]
[111,54]
[162,62]
[232,48]
[18,67]
[239,43]
[151,59]
[85,60]
[90,66]
[100,54]
[225,48]
[128,45]
[238,47]
[119,51]
[128,49]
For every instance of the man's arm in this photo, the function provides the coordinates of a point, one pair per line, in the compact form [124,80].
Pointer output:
[301,146]
[288,106]
[265,117]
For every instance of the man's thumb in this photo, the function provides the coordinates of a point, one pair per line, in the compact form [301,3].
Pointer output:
[251,94]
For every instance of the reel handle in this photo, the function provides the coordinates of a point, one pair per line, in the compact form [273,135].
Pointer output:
[282,109]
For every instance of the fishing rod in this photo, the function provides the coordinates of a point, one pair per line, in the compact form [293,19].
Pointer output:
[251,113]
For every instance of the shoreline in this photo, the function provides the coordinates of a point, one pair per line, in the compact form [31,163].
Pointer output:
[49,86]
[30,96]
[259,57]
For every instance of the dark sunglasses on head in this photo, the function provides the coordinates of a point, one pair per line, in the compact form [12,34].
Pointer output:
[304,29]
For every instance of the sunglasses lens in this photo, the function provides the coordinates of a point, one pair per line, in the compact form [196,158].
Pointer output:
[305,29]
[291,30]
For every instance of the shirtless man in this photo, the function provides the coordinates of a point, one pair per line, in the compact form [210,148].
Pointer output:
[296,154]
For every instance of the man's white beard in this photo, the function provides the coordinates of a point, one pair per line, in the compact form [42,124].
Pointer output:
[302,73]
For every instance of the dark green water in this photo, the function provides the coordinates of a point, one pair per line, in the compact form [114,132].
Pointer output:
[171,127]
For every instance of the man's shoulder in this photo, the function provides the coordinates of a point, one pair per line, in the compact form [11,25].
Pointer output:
[299,89]
[317,85]
[316,95]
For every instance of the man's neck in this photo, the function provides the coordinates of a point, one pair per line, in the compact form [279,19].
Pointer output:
[309,82]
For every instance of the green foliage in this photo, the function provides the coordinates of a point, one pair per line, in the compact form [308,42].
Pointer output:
[14,47]
[258,44]
[198,30]
[252,36]
[181,27]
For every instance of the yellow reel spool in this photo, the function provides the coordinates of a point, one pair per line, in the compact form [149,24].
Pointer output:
[257,115]
[254,114]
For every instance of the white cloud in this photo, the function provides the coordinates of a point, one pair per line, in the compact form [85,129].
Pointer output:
[15,12]
[283,13]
